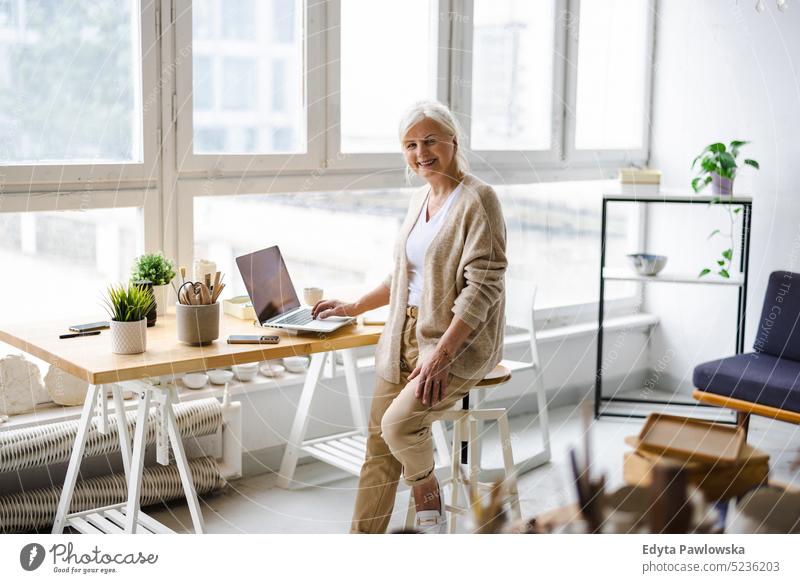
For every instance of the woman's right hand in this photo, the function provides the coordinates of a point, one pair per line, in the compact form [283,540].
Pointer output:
[325,308]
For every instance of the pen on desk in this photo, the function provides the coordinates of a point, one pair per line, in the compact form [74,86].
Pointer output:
[78,334]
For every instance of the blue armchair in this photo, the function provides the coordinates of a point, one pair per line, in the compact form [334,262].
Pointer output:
[766,381]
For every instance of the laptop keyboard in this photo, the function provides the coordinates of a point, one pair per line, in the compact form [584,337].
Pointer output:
[298,318]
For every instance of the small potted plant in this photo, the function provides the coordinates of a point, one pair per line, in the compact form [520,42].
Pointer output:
[127,308]
[718,166]
[159,270]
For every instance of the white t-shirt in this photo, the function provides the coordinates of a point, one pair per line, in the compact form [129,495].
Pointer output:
[419,239]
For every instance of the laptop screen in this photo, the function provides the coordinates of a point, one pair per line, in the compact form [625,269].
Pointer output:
[268,283]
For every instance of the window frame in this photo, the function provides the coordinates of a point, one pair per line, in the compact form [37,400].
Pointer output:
[145,37]
[340,160]
[461,101]
[636,156]
[313,75]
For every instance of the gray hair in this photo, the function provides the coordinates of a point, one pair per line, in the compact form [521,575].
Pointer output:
[442,116]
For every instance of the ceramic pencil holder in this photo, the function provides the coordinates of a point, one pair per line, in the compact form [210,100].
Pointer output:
[197,325]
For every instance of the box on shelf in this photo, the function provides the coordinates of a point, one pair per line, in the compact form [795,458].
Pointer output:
[239,307]
[639,180]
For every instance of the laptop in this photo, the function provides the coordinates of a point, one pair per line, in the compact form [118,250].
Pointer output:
[274,300]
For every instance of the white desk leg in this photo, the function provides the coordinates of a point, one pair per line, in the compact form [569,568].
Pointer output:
[182,462]
[102,402]
[137,462]
[75,459]
[351,379]
[300,423]
[122,429]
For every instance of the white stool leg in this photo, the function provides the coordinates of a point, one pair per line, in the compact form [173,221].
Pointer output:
[411,511]
[455,475]
[508,462]
[75,460]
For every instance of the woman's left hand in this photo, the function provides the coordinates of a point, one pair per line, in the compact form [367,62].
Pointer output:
[434,376]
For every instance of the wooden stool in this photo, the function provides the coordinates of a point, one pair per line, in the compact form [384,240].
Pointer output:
[466,450]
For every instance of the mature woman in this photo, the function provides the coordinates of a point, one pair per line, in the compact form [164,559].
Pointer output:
[444,332]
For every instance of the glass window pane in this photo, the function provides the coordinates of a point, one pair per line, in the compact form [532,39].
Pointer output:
[360,226]
[70,83]
[553,239]
[512,75]
[612,71]
[76,253]
[384,68]
[240,102]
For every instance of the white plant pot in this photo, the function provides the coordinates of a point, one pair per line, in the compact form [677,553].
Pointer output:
[129,337]
[160,293]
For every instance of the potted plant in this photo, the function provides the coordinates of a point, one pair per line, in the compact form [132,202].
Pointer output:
[127,308]
[718,166]
[159,270]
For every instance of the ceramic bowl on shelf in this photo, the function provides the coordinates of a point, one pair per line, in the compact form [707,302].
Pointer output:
[245,372]
[295,363]
[647,264]
[195,380]
[271,368]
[220,377]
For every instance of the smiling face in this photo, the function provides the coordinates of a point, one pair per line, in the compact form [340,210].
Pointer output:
[429,150]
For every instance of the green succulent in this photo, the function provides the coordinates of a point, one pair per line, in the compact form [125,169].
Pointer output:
[153,267]
[128,304]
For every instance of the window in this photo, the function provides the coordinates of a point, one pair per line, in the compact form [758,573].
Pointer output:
[512,75]
[612,75]
[554,243]
[70,83]
[360,226]
[66,259]
[553,239]
[388,61]
[227,107]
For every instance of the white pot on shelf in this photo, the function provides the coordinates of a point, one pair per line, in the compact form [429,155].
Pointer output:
[129,337]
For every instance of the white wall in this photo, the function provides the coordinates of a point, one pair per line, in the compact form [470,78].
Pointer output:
[723,72]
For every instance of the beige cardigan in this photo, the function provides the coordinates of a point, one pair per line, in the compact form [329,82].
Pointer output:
[464,275]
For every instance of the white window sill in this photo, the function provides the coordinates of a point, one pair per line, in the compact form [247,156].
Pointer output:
[52,413]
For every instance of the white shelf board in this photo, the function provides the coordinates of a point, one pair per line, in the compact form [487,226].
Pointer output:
[666,277]
[644,195]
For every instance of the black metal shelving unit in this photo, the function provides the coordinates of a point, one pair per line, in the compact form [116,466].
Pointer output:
[740,282]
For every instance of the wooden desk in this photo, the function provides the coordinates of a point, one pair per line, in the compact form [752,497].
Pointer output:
[90,358]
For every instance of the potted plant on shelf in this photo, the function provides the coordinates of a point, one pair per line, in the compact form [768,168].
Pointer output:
[127,308]
[718,166]
[159,270]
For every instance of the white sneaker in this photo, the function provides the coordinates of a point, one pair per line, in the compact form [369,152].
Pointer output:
[431,522]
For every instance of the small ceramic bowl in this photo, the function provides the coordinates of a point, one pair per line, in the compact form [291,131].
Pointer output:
[195,380]
[271,369]
[245,372]
[219,377]
[295,363]
[647,264]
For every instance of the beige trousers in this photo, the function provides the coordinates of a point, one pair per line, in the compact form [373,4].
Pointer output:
[399,438]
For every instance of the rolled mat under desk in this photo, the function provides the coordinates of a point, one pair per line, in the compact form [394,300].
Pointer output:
[52,443]
[35,510]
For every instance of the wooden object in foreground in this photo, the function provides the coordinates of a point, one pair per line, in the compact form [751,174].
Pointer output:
[715,481]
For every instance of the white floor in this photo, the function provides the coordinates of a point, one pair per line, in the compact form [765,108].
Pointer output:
[254,505]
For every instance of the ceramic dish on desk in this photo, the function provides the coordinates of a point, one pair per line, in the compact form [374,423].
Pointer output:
[245,372]
[271,369]
[220,377]
[296,364]
[195,380]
